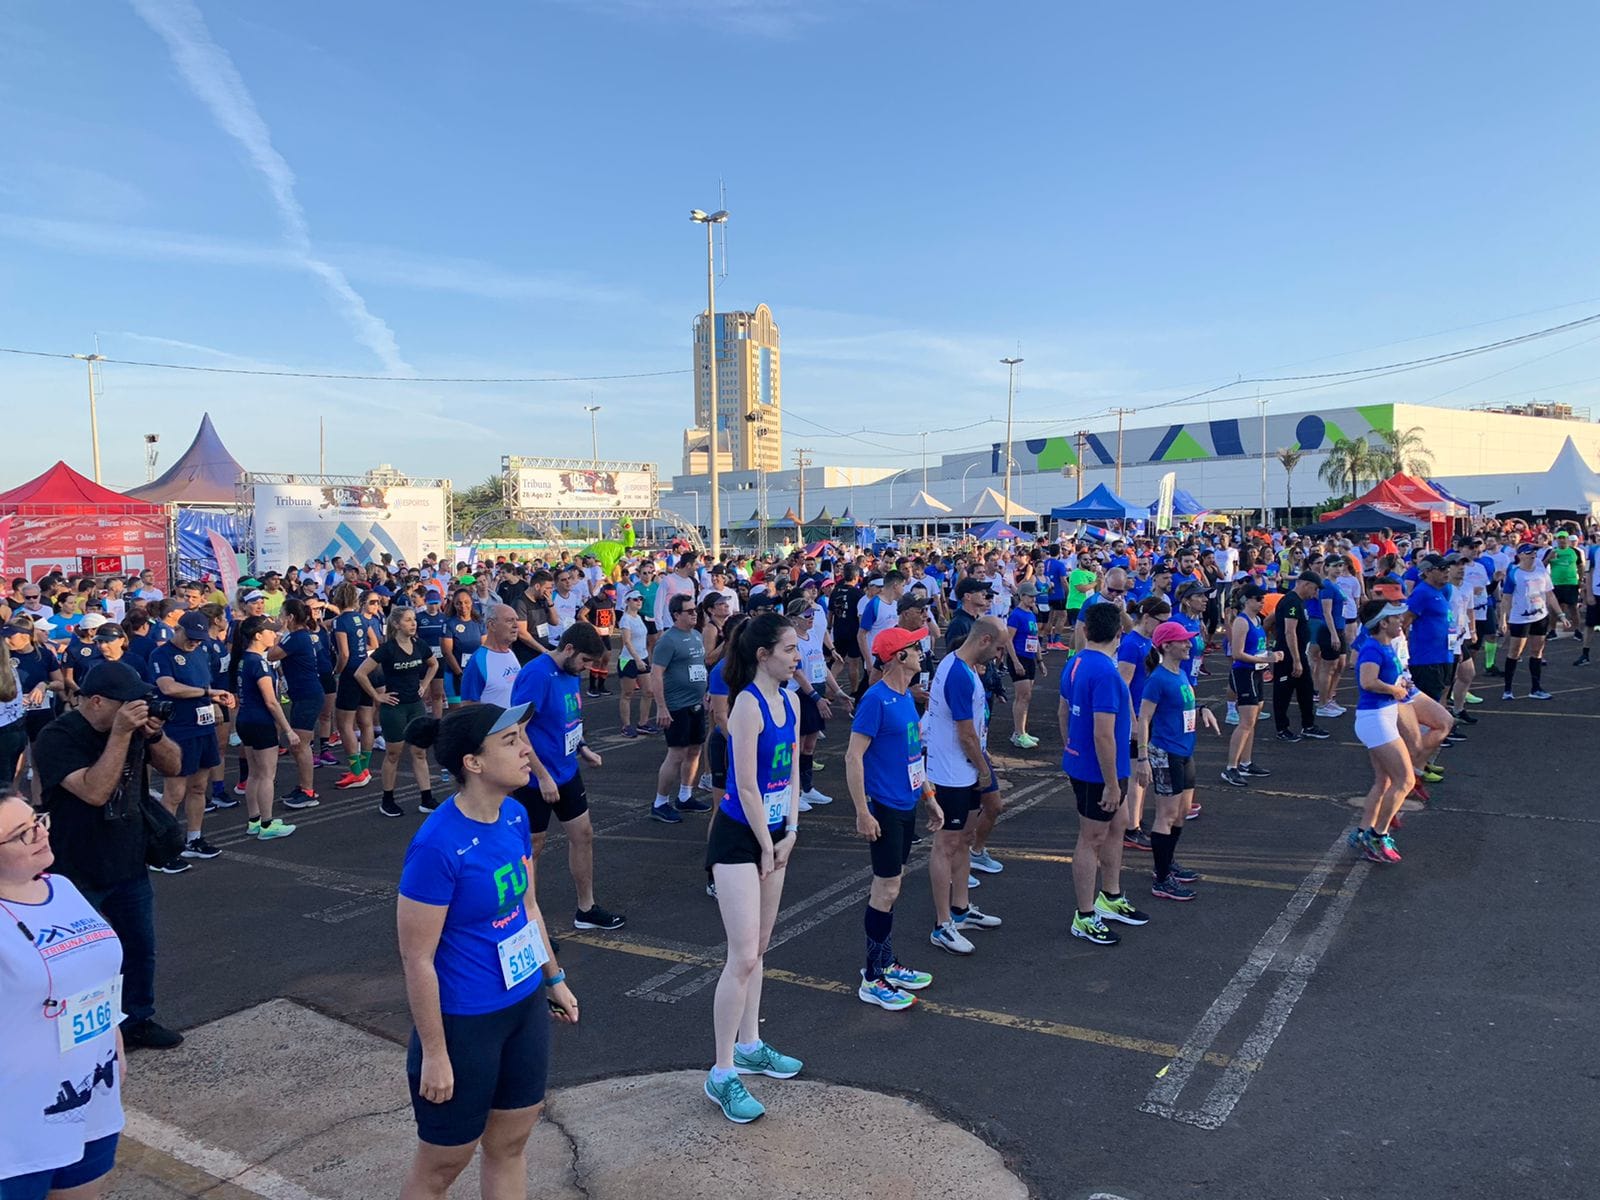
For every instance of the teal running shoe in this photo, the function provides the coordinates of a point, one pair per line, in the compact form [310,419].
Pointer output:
[766,1061]
[275,829]
[737,1104]
[884,994]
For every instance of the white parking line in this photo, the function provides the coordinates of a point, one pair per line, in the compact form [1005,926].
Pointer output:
[213,1160]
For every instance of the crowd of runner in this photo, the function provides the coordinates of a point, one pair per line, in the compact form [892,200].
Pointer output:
[476,678]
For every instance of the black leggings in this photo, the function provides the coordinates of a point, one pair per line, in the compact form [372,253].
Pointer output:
[717,751]
[1286,686]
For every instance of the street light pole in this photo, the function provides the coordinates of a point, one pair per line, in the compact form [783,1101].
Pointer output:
[1011,390]
[709,220]
[89,361]
[964,483]
[925,480]
[594,455]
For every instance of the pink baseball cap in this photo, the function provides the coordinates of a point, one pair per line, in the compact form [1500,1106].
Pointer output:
[1169,631]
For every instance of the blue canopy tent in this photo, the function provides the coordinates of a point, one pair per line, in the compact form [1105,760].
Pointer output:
[995,531]
[1183,505]
[1102,504]
[1472,509]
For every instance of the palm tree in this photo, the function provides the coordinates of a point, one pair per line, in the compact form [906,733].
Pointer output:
[1289,458]
[1350,460]
[1401,452]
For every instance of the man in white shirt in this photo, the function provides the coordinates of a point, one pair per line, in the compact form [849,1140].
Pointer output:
[565,603]
[680,581]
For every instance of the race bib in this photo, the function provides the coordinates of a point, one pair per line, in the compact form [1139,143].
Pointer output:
[574,739]
[29,706]
[778,806]
[1030,644]
[1188,720]
[521,955]
[819,671]
[917,771]
[542,630]
[90,1014]
[697,673]
[205,715]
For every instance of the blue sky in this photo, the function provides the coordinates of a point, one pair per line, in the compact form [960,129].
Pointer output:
[1142,200]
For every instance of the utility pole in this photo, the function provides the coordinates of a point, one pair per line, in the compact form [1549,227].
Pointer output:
[1121,412]
[1266,519]
[1083,448]
[1011,391]
[89,361]
[801,462]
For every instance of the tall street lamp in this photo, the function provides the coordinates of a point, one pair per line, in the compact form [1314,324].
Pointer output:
[708,220]
[89,361]
[594,455]
[1011,391]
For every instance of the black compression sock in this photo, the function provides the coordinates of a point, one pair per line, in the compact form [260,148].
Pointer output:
[427,796]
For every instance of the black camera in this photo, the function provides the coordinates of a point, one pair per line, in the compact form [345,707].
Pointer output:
[160,708]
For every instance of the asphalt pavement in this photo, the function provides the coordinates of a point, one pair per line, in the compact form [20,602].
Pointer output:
[1312,1026]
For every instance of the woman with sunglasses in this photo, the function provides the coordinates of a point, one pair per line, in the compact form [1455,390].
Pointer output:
[61,1074]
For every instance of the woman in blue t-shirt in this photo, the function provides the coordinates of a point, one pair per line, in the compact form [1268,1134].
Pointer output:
[1132,651]
[752,835]
[1381,691]
[463,634]
[300,655]
[476,951]
[1167,715]
[260,723]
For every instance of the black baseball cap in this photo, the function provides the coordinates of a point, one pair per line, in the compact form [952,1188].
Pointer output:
[908,602]
[969,585]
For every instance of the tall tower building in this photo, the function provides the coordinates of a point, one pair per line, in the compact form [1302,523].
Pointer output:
[749,398]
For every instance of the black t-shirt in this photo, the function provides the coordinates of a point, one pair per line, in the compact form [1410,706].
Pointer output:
[956,632]
[842,604]
[96,848]
[509,589]
[536,613]
[403,669]
[1291,608]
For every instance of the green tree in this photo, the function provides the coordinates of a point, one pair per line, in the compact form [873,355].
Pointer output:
[1350,460]
[1289,458]
[479,500]
[1402,451]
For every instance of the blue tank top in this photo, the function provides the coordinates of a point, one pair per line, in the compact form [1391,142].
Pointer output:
[1255,641]
[774,767]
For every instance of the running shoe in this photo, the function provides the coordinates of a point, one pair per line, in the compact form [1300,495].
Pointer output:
[426,806]
[253,829]
[598,918]
[221,800]
[1539,694]
[649,727]
[1288,735]
[212,805]
[1136,839]
[1118,910]
[1436,768]
[1466,718]
[1251,771]
[884,994]
[1233,778]
[1194,813]
[380,743]
[972,880]
[351,780]
[975,918]
[1471,699]
[1430,775]
[691,805]
[1182,874]
[1023,741]
[1315,731]
[630,731]
[1420,792]
[1372,848]
[390,807]
[764,1060]
[705,782]
[1396,823]
[666,814]
[948,938]
[300,798]
[1093,929]
[1582,660]
[238,788]
[1386,848]
[906,979]
[1455,739]
[173,866]
[815,798]
[803,804]
[985,862]
[1232,718]
[1171,889]
[1356,838]
[1508,694]
[326,759]
[275,829]
[1329,710]
[233,740]
[711,890]
[199,848]
[737,1104]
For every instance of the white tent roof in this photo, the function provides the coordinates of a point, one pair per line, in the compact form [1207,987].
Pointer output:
[924,505]
[1570,485]
[992,504]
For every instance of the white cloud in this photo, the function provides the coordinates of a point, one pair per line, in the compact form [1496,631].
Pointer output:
[209,71]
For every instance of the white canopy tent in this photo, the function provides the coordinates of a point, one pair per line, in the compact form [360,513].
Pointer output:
[925,506]
[992,504]
[1570,485]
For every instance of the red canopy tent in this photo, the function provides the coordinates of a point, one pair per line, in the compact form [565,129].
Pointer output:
[1409,497]
[62,521]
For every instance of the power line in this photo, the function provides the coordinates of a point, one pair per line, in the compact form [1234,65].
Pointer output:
[161,366]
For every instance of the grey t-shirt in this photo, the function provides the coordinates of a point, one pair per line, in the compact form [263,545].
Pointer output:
[681,656]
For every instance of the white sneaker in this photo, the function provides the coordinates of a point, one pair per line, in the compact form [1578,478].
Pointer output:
[975,919]
[380,743]
[1330,710]
[947,937]
[815,797]
[705,782]
[805,805]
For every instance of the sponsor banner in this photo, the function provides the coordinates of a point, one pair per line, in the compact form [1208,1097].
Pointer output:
[298,523]
[1169,486]
[583,489]
[227,564]
[92,543]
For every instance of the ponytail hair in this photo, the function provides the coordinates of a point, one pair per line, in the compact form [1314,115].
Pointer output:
[244,633]
[1152,660]
[298,611]
[345,597]
[760,632]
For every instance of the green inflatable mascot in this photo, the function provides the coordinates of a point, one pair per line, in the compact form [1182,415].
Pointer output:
[610,553]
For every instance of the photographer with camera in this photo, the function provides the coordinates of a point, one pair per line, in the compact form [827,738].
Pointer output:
[105,829]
